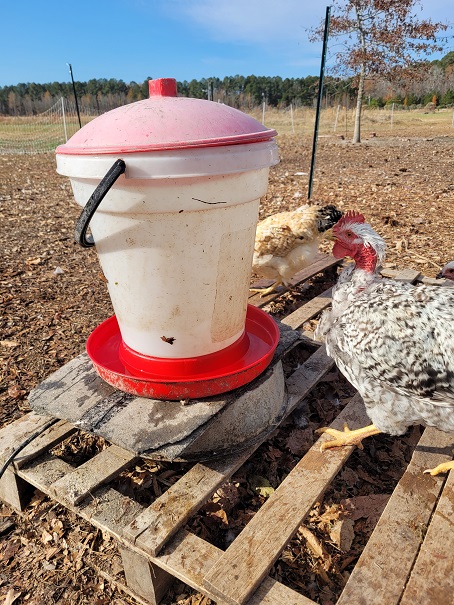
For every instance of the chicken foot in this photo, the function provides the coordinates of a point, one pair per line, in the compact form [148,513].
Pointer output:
[265,291]
[347,436]
[355,437]
[444,467]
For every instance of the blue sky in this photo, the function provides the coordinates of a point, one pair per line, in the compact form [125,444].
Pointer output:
[132,40]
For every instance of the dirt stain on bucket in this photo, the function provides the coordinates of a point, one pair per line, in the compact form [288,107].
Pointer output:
[232,286]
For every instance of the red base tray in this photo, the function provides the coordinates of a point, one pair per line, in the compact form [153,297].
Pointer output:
[189,378]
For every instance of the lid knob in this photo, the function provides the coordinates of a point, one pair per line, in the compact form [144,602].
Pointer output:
[162,87]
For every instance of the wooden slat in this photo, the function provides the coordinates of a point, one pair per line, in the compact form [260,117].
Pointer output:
[303,380]
[47,440]
[167,514]
[41,473]
[186,557]
[259,545]
[408,276]
[321,263]
[190,558]
[431,281]
[107,509]
[95,472]
[75,380]
[381,572]
[18,431]
[432,578]
[153,528]
[428,281]
[110,511]
[308,310]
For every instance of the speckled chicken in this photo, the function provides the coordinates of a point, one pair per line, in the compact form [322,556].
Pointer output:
[287,242]
[394,342]
[447,271]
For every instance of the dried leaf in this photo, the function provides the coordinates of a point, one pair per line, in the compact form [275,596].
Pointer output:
[342,534]
[261,485]
[46,537]
[312,542]
[299,441]
[221,515]
[10,550]
[369,507]
[34,261]
[15,391]
[332,513]
[11,596]
[9,343]
[228,495]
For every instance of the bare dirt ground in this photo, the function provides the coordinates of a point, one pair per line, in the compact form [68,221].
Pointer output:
[52,296]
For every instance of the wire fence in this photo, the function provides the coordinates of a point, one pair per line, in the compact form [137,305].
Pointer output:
[43,132]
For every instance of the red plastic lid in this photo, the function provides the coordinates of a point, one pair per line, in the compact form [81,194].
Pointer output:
[163,122]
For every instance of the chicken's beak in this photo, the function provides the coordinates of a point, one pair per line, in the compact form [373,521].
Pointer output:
[439,275]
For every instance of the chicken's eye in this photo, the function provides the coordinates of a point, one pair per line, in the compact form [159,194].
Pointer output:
[349,234]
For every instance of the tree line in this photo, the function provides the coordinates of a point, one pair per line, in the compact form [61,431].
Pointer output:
[243,92]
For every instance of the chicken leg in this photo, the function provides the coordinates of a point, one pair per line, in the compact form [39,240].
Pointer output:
[347,437]
[266,291]
[444,467]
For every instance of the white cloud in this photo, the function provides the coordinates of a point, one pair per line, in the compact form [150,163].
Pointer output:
[258,21]
[251,21]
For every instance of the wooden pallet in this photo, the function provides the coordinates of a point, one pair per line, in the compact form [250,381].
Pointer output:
[408,559]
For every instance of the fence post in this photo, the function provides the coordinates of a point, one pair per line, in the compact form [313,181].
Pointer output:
[335,120]
[64,118]
[319,102]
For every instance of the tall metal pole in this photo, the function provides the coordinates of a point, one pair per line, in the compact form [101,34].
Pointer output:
[75,96]
[319,101]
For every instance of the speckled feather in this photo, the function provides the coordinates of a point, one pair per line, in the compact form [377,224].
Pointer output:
[287,242]
[395,343]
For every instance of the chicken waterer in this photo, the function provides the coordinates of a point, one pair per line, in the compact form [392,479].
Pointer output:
[180,182]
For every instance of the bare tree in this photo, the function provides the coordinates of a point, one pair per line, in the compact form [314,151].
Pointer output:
[379,39]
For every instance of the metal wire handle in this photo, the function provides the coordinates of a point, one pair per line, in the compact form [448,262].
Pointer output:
[80,233]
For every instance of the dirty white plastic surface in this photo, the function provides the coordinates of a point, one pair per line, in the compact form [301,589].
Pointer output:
[177,252]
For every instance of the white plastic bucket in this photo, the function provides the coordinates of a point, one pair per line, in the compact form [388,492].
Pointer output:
[175,237]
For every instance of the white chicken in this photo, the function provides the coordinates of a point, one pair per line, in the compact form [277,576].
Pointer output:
[447,271]
[287,242]
[394,342]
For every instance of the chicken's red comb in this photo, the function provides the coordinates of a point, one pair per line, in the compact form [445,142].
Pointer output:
[351,216]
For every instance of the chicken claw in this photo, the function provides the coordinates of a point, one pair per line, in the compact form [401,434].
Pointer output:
[444,467]
[265,291]
[346,437]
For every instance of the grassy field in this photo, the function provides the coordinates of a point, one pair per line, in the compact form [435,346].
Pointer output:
[42,134]
[340,122]
[36,134]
